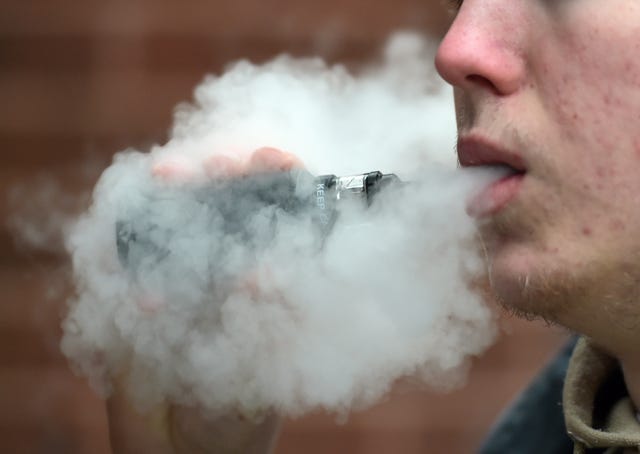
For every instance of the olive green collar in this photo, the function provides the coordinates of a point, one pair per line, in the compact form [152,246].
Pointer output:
[587,388]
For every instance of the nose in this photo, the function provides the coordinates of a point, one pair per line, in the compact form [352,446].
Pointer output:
[483,48]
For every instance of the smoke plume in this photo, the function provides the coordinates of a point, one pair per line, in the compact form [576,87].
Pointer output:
[262,313]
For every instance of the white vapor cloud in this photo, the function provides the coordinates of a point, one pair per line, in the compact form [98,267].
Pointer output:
[259,316]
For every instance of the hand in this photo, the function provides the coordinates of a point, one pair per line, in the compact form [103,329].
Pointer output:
[223,166]
[178,429]
[173,429]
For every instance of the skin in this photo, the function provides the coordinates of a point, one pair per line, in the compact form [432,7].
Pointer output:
[172,429]
[558,83]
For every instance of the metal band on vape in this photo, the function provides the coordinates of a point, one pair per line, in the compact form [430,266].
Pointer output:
[363,186]
[331,190]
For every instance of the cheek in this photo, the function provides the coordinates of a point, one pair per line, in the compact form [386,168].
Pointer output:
[596,119]
[590,92]
[636,146]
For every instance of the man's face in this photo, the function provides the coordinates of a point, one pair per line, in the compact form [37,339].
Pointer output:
[552,88]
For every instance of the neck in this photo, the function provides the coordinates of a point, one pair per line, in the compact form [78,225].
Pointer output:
[623,349]
[631,371]
[615,331]
[620,343]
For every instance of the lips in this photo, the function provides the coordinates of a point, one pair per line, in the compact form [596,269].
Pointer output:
[480,152]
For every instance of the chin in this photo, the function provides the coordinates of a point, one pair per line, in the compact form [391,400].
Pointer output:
[528,288]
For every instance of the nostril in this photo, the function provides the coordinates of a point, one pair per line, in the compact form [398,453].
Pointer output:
[481,81]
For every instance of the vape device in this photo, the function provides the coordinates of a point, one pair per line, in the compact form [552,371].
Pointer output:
[234,201]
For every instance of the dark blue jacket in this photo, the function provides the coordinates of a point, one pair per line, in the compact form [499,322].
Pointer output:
[534,424]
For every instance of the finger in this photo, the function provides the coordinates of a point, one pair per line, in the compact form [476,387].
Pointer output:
[149,304]
[260,285]
[174,169]
[220,166]
[193,429]
[269,159]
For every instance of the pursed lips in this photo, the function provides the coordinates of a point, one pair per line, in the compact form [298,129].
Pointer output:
[477,151]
